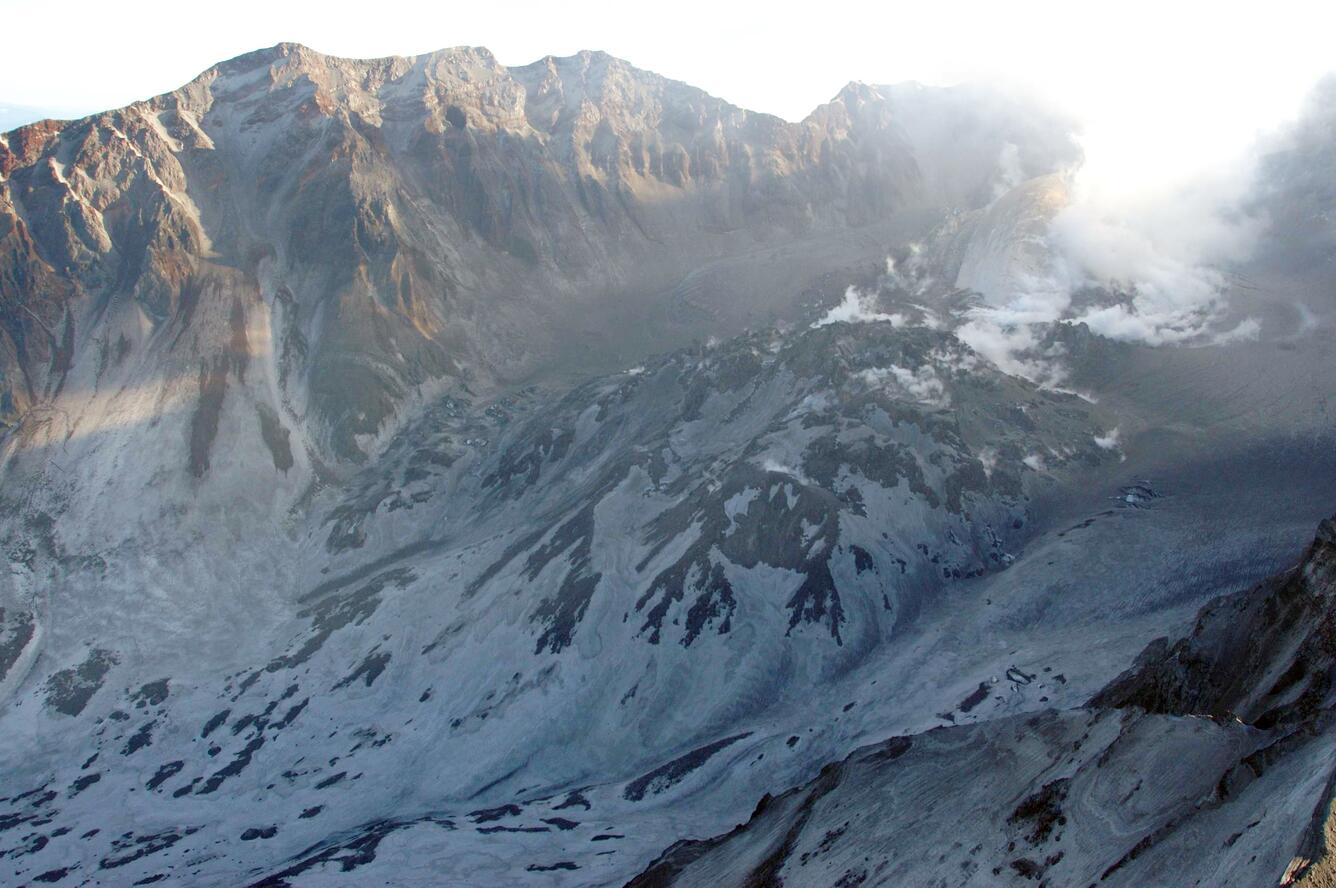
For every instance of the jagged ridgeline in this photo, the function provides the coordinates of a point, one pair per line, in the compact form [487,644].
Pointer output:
[421,470]
[381,224]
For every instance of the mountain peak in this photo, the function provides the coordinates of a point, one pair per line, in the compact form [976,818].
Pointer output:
[857,92]
[264,56]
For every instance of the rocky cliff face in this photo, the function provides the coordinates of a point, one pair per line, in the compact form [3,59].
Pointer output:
[364,228]
[1264,657]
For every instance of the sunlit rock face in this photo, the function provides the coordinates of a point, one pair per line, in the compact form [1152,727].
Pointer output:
[1004,250]
[423,470]
[384,224]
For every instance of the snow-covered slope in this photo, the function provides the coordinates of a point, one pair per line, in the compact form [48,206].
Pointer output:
[774,507]
[370,515]
[629,612]
[1208,763]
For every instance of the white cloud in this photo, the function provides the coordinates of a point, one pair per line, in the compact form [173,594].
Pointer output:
[1009,341]
[1163,249]
[921,384]
[1246,330]
[1140,267]
[857,308]
[1009,169]
[988,458]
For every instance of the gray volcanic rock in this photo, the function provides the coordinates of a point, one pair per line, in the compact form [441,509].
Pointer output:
[1208,762]
[422,470]
[780,502]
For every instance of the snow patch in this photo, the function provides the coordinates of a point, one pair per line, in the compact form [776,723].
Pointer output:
[737,505]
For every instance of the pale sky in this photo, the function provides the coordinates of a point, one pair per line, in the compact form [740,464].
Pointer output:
[1163,87]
